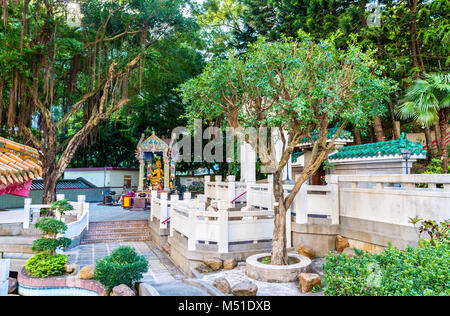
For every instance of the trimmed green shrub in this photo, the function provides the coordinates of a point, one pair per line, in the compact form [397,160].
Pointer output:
[421,271]
[62,206]
[44,265]
[51,228]
[123,266]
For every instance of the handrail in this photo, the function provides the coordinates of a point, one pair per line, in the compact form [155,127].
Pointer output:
[239,197]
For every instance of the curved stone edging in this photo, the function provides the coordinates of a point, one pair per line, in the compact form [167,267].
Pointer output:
[59,282]
[276,274]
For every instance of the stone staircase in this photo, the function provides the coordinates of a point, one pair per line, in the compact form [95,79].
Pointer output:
[117,231]
[17,249]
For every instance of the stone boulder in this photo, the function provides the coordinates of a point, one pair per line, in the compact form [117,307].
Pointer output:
[308,281]
[122,290]
[71,268]
[87,273]
[306,251]
[246,288]
[341,243]
[223,285]
[214,263]
[229,264]
[203,268]
[12,285]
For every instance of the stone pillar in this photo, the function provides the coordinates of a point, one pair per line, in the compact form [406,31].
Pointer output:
[154,196]
[223,226]
[231,189]
[141,175]
[26,214]
[166,176]
[287,171]
[248,163]
[193,205]
[301,205]
[4,275]
[164,214]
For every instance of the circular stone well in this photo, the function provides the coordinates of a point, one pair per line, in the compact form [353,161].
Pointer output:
[276,274]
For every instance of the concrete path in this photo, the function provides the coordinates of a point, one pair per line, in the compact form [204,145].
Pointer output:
[162,274]
[104,213]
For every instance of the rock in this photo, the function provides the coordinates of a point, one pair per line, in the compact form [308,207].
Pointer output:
[308,281]
[87,273]
[122,290]
[204,269]
[71,268]
[214,263]
[341,243]
[245,289]
[306,251]
[12,285]
[223,285]
[229,264]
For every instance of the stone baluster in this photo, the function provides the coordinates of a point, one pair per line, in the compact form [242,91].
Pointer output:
[164,212]
[4,275]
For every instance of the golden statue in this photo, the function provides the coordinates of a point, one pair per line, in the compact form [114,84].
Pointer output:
[157,176]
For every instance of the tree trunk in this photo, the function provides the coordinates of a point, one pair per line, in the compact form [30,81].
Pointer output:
[357,136]
[443,122]
[428,140]
[437,132]
[378,127]
[279,251]
[50,180]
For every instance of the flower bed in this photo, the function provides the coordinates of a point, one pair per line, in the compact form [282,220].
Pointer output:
[57,286]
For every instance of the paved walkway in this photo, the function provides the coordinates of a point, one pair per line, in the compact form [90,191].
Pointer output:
[104,213]
[161,269]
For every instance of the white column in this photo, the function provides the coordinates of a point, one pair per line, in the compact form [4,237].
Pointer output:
[193,205]
[26,214]
[248,163]
[154,196]
[223,226]
[187,196]
[164,213]
[301,205]
[231,189]
[81,203]
[332,183]
[60,197]
[287,171]
[288,229]
[4,275]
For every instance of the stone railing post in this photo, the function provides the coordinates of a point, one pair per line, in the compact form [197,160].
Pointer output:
[288,229]
[86,211]
[217,180]
[270,190]
[80,205]
[301,205]
[164,213]
[193,205]
[60,197]
[231,190]
[4,275]
[207,181]
[154,196]
[26,214]
[223,226]
[333,184]
[187,196]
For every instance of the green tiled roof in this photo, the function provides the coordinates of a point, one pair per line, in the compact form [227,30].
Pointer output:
[345,135]
[296,155]
[390,148]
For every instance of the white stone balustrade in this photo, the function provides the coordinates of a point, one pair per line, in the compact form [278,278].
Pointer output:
[222,227]
[230,190]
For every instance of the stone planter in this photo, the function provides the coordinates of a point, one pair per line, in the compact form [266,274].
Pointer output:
[276,274]
[57,286]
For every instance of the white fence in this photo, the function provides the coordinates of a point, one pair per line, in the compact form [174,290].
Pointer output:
[160,207]
[4,274]
[81,209]
[221,227]
[394,199]
[230,190]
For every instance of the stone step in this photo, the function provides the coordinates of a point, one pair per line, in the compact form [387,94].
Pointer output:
[109,232]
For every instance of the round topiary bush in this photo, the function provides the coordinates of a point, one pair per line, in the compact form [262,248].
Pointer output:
[44,265]
[123,266]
